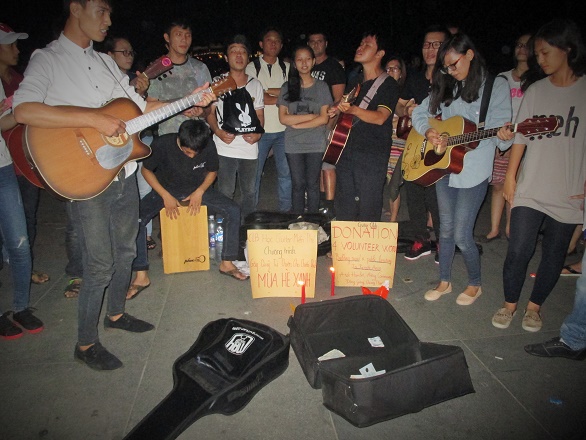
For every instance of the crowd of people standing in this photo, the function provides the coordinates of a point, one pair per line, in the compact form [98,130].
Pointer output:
[287,107]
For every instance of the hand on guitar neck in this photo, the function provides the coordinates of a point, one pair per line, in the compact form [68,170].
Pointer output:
[440,142]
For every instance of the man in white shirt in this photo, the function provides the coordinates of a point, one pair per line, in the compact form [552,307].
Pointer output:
[64,85]
[272,72]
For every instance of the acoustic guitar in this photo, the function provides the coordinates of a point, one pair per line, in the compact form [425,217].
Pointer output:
[339,135]
[14,136]
[80,163]
[424,167]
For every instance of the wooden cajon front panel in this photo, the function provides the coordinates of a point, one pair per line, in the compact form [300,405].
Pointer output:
[185,241]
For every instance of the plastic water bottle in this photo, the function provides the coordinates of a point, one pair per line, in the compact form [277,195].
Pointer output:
[212,237]
[219,239]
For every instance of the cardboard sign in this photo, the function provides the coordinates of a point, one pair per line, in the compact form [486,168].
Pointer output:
[279,259]
[185,241]
[364,253]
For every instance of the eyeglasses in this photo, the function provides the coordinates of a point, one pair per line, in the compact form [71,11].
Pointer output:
[450,67]
[126,53]
[521,46]
[432,44]
[393,69]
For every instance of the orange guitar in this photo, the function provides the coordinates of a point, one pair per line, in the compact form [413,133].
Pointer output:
[80,163]
[340,133]
[156,68]
[420,163]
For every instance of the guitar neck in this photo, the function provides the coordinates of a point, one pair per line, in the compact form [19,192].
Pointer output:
[141,122]
[473,136]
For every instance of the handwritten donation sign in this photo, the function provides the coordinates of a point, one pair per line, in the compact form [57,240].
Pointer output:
[364,253]
[279,260]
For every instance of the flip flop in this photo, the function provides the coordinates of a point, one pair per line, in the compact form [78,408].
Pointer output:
[232,273]
[39,277]
[72,288]
[151,244]
[572,272]
[138,289]
[485,239]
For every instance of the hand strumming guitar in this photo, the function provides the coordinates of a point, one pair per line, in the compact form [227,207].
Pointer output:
[438,141]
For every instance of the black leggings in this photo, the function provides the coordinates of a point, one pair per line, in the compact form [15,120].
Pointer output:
[525,225]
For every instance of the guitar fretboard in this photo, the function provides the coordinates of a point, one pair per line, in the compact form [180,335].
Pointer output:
[141,122]
[473,136]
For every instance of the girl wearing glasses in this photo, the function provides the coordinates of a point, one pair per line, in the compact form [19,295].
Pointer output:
[456,90]
[548,188]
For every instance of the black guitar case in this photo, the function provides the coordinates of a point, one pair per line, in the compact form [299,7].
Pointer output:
[228,364]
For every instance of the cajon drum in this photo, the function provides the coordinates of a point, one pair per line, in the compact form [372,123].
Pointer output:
[185,241]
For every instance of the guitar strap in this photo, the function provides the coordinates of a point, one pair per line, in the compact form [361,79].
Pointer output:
[485,100]
[372,91]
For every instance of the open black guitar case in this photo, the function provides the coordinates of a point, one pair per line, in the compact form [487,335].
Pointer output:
[228,364]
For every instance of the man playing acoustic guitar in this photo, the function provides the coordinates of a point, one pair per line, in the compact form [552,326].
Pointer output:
[64,86]
[362,168]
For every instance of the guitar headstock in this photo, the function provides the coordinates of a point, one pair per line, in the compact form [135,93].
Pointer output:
[351,97]
[156,68]
[223,86]
[537,126]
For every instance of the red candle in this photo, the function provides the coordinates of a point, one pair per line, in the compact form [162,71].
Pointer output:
[302,284]
[333,271]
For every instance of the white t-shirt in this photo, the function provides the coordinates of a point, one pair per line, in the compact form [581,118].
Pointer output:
[553,169]
[239,148]
[272,80]
[516,92]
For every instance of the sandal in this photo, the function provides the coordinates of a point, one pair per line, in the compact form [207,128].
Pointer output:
[151,244]
[72,288]
[570,272]
[39,277]
[135,287]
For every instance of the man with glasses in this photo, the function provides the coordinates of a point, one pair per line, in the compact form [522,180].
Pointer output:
[421,200]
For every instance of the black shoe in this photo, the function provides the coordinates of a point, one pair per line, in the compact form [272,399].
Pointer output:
[129,323]
[555,348]
[28,321]
[436,258]
[418,250]
[8,330]
[97,358]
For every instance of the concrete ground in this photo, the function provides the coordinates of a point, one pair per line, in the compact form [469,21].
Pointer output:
[45,394]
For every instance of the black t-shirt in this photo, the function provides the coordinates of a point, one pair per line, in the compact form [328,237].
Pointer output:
[178,173]
[417,86]
[372,138]
[329,71]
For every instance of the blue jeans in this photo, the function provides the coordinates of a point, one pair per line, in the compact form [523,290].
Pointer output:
[573,330]
[73,245]
[458,209]
[13,231]
[217,204]
[305,173]
[525,225]
[107,226]
[245,169]
[277,142]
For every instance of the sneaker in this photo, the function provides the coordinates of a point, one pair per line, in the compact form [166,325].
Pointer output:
[503,317]
[8,330]
[532,321]
[436,258]
[129,323]
[555,348]
[97,357]
[28,321]
[419,249]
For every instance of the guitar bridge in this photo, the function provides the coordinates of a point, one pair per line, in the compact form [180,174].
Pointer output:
[84,144]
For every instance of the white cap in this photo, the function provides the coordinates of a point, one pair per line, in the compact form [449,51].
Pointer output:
[8,36]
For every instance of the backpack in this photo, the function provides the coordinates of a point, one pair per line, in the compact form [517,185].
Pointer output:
[239,116]
[256,63]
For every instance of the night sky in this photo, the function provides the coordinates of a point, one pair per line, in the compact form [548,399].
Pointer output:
[491,24]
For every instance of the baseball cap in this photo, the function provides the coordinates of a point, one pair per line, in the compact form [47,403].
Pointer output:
[8,36]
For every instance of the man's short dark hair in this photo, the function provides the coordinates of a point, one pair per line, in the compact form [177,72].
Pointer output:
[179,22]
[317,32]
[266,30]
[238,39]
[193,134]
[380,41]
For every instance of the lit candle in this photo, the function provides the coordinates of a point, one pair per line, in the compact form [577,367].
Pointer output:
[302,284]
[333,271]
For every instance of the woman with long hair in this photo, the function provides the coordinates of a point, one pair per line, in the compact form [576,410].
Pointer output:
[303,108]
[459,79]
[545,177]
